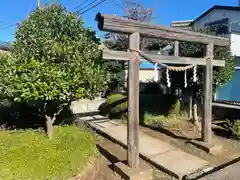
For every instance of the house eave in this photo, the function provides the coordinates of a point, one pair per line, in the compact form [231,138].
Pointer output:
[232,8]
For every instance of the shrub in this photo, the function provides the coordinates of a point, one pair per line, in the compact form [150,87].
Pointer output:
[175,110]
[56,59]
[156,104]
[115,98]
[19,116]
[151,87]
[150,119]
[27,155]
[234,127]
[118,105]
[113,86]
[115,107]
[120,101]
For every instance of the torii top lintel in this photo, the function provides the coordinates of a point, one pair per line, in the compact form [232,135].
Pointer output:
[111,23]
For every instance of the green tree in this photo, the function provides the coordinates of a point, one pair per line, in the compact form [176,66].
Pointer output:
[221,75]
[55,61]
[115,41]
[134,11]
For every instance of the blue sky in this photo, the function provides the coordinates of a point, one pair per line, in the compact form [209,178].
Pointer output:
[164,11]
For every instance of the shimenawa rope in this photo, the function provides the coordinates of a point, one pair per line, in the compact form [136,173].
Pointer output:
[172,68]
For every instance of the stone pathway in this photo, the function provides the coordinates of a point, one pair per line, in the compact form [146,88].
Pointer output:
[164,155]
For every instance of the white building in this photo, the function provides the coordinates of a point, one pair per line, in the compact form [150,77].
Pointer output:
[225,20]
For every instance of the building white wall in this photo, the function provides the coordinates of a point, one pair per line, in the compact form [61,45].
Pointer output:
[148,75]
[235,44]
[219,14]
[4,51]
[145,75]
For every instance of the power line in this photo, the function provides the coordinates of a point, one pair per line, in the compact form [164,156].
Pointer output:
[81,4]
[7,26]
[92,7]
[87,5]
[118,5]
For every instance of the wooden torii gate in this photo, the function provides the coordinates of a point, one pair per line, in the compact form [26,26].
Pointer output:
[135,29]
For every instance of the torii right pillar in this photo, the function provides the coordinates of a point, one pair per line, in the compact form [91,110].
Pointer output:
[207,95]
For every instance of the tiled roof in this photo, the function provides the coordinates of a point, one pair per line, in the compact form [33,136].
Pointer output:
[4,46]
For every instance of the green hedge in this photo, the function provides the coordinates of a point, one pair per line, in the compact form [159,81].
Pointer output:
[115,106]
[118,103]
[151,119]
[28,155]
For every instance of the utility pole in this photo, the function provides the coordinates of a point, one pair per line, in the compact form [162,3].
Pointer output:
[39,3]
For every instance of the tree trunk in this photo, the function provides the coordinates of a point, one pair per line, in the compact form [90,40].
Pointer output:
[195,114]
[49,125]
[190,113]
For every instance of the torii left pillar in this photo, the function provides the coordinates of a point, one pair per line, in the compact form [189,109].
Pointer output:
[207,101]
[133,103]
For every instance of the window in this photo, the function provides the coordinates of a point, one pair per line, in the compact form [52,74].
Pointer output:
[237,62]
[221,26]
[235,26]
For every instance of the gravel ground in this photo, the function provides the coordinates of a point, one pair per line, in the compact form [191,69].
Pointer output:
[231,172]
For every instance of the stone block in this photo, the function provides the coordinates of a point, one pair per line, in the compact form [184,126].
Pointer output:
[132,173]
[213,149]
[85,105]
[178,163]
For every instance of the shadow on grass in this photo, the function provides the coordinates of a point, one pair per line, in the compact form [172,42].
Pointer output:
[29,116]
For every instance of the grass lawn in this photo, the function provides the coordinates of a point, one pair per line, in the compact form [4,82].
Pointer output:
[30,155]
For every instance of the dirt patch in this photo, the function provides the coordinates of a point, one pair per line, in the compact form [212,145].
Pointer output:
[91,172]
[98,170]
[113,153]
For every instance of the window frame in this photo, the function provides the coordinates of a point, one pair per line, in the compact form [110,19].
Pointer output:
[223,22]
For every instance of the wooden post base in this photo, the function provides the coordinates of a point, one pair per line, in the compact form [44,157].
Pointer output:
[132,173]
